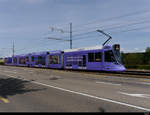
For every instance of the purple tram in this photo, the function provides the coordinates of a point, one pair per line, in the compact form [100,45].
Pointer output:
[105,58]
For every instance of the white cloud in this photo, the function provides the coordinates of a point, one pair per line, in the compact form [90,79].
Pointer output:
[136,49]
[131,50]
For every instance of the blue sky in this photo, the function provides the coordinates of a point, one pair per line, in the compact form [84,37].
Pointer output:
[28,22]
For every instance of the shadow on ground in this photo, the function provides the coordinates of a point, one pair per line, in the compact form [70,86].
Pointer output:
[12,86]
[101,110]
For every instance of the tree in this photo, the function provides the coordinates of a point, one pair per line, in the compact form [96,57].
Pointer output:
[133,59]
[147,50]
[147,55]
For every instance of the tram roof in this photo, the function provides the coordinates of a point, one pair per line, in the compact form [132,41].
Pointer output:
[84,49]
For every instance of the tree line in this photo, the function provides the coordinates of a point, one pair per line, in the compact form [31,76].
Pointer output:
[137,60]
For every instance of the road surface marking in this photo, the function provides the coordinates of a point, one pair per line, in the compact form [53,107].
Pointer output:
[10,71]
[107,83]
[84,94]
[145,80]
[145,83]
[136,95]
[4,100]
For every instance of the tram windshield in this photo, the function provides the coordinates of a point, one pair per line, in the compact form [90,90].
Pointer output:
[116,51]
[117,56]
[113,56]
[109,56]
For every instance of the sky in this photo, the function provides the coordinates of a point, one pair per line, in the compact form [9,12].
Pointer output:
[28,24]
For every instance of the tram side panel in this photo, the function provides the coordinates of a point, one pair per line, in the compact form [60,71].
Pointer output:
[56,60]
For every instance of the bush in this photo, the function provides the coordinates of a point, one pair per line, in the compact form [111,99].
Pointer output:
[144,67]
[131,66]
[1,63]
[137,66]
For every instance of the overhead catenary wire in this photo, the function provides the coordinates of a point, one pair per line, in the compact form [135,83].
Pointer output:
[112,28]
[129,30]
[112,18]
[89,39]
[128,25]
[78,36]
[104,20]
[140,28]
[126,15]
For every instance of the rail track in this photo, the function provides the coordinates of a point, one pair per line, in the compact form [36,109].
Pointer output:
[127,73]
[137,73]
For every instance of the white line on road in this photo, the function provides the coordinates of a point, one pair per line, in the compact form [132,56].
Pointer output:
[136,95]
[107,83]
[10,71]
[144,83]
[84,94]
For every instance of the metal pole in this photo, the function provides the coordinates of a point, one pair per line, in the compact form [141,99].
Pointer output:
[70,35]
[13,49]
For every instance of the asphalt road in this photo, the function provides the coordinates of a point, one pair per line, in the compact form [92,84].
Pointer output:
[45,90]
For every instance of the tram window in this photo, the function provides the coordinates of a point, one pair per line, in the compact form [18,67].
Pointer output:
[109,56]
[36,60]
[90,57]
[55,59]
[84,61]
[80,63]
[15,60]
[32,59]
[41,60]
[27,59]
[22,61]
[8,60]
[98,57]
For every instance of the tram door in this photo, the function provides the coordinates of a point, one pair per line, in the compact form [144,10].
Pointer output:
[84,60]
[48,61]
